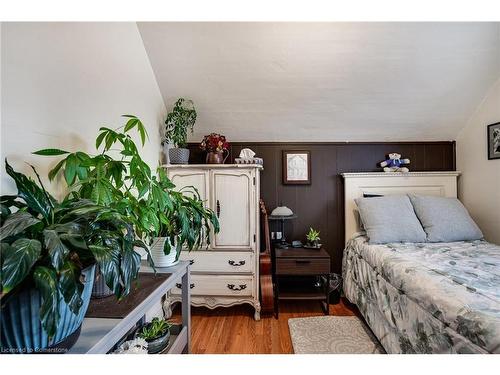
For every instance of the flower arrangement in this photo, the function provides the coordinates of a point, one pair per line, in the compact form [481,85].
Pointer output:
[214,143]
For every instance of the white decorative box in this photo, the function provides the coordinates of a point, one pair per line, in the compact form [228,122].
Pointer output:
[259,161]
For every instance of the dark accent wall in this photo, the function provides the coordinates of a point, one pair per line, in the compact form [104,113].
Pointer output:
[321,204]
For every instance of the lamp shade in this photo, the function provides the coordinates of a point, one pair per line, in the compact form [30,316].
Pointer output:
[282,211]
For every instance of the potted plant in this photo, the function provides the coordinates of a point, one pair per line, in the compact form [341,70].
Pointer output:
[215,145]
[49,250]
[161,216]
[313,238]
[185,225]
[156,333]
[178,122]
[126,184]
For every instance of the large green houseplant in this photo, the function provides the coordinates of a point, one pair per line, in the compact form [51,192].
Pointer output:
[129,185]
[186,225]
[48,253]
[179,121]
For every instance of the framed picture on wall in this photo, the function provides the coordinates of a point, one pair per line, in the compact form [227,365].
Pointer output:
[296,167]
[494,141]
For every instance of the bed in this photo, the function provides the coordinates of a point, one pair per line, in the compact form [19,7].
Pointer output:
[421,297]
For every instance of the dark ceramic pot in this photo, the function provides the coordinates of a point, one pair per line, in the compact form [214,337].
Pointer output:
[21,330]
[100,289]
[158,344]
[178,155]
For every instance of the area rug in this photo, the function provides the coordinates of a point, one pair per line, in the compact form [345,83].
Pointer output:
[332,335]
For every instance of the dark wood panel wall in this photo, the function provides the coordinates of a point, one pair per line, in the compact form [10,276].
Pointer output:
[321,204]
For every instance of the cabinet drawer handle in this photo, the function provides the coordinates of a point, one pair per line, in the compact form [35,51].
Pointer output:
[235,288]
[218,208]
[233,263]
[302,261]
[179,285]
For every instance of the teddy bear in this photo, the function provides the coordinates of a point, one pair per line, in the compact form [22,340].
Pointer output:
[394,163]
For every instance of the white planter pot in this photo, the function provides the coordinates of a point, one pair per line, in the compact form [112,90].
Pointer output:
[159,257]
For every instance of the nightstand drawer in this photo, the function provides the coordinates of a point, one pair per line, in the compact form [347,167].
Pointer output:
[302,266]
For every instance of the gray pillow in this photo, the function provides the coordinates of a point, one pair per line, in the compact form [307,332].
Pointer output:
[445,219]
[390,219]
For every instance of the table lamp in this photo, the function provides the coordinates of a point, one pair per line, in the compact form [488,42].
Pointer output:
[281,214]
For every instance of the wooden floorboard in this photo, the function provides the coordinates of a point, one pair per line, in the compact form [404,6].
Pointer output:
[234,331]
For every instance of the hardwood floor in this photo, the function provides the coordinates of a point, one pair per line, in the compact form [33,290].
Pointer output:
[234,331]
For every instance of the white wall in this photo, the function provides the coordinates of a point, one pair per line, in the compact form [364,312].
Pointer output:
[479,185]
[62,81]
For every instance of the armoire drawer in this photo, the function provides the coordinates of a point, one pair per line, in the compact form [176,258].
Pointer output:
[220,261]
[218,285]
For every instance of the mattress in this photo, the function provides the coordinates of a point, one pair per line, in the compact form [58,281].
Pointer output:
[427,297]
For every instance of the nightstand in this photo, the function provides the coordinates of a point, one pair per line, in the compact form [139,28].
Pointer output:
[296,274]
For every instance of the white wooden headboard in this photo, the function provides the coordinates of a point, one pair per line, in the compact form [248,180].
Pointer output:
[427,183]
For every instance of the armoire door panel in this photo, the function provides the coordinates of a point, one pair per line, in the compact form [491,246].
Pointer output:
[197,178]
[182,179]
[233,202]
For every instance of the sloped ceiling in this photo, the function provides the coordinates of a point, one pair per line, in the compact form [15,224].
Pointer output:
[326,81]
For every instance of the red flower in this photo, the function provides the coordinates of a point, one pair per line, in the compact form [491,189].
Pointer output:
[214,143]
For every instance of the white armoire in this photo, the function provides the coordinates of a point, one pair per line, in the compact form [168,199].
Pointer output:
[226,272]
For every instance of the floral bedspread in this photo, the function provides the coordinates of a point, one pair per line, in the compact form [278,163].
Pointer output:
[427,297]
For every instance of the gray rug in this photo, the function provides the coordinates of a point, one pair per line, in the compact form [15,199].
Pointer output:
[332,335]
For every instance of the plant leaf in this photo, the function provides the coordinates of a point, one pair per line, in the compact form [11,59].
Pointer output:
[55,247]
[50,152]
[16,223]
[129,267]
[53,172]
[70,285]
[70,169]
[108,259]
[142,132]
[130,124]
[35,197]
[167,248]
[99,139]
[46,283]
[101,194]
[17,261]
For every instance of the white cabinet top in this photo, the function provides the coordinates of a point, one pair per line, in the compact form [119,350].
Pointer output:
[212,166]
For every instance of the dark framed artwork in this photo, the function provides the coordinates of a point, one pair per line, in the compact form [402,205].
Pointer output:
[296,167]
[493,141]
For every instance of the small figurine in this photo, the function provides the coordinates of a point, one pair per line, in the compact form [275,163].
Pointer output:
[394,163]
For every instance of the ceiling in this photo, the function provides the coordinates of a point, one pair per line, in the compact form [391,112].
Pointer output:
[326,81]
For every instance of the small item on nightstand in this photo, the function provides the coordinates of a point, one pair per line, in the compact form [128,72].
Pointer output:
[313,239]
[297,243]
[281,214]
[282,211]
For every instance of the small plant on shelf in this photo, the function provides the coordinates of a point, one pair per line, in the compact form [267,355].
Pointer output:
[179,121]
[313,238]
[157,328]
[156,333]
